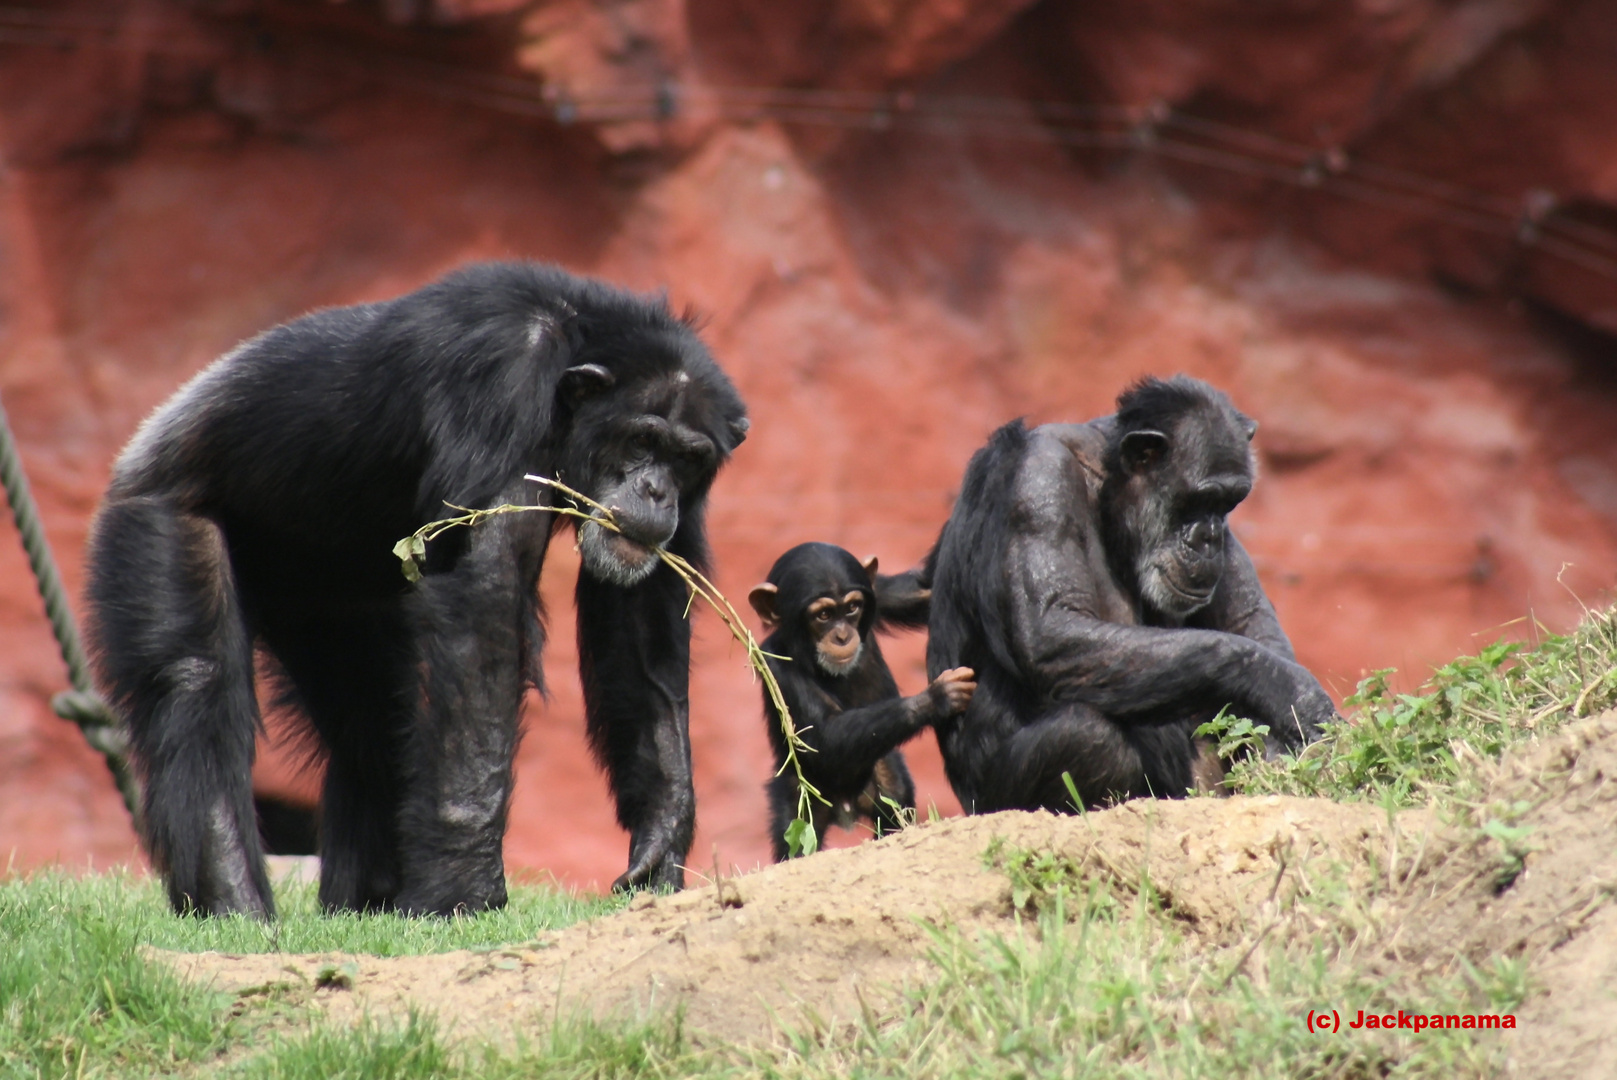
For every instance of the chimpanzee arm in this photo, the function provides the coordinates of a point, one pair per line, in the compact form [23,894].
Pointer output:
[1061,641]
[456,760]
[905,599]
[1239,606]
[634,648]
[847,744]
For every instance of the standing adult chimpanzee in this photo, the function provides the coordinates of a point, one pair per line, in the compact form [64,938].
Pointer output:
[1088,576]
[820,610]
[259,506]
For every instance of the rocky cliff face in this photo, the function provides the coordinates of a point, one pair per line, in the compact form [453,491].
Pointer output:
[1388,228]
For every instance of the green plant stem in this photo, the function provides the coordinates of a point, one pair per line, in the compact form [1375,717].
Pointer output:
[413,547]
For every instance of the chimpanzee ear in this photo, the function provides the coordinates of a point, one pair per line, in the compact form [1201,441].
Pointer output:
[870,565]
[762,599]
[1143,449]
[583,381]
[1250,426]
[738,431]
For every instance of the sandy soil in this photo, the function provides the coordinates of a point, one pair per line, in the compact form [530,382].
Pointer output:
[827,936]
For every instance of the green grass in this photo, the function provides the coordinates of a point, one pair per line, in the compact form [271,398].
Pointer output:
[1095,982]
[1404,750]
[77,999]
[1107,986]
[1098,984]
[74,994]
[572,1048]
[302,928]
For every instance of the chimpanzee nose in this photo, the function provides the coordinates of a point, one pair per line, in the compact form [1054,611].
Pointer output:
[1203,533]
[656,490]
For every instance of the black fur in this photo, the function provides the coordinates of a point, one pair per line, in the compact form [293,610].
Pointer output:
[904,600]
[853,721]
[1070,577]
[260,506]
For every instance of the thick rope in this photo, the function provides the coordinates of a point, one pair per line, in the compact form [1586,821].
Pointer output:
[81,704]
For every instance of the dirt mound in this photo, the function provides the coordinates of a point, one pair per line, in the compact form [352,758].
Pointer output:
[1556,807]
[839,932]
[844,925]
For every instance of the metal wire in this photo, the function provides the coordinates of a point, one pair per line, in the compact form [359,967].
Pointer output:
[1158,130]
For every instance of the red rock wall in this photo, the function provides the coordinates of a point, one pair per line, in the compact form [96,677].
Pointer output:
[1439,463]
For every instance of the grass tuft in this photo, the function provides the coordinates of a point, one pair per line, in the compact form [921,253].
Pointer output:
[1103,986]
[1404,750]
[301,926]
[366,1051]
[76,997]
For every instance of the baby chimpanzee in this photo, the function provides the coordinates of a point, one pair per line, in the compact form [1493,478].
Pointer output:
[819,608]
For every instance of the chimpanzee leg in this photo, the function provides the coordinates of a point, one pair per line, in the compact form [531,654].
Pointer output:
[1206,770]
[1096,752]
[1167,752]
[350,675]
[782,793]
[892,794]
[176,659]
[359,840]
[469,624]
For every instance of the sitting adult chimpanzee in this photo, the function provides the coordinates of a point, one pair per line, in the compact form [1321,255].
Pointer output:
[1088,576]
[260,505]
[819,608]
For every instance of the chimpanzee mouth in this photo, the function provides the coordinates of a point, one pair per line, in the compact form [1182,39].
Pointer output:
[833,664]
[613,557]
[1190,596]
[1169,596]
[630,552]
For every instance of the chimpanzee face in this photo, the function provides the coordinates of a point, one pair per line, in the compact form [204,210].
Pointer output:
[1170,511]
[833,625]
[650,449]
[1180,575]
[818,597]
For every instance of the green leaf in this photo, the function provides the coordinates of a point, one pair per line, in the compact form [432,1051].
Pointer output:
[800,838]
[1072,790]
[1234,734]
[410,549]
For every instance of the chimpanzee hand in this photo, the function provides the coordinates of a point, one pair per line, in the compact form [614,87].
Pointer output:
[1297,723]
[951,691]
